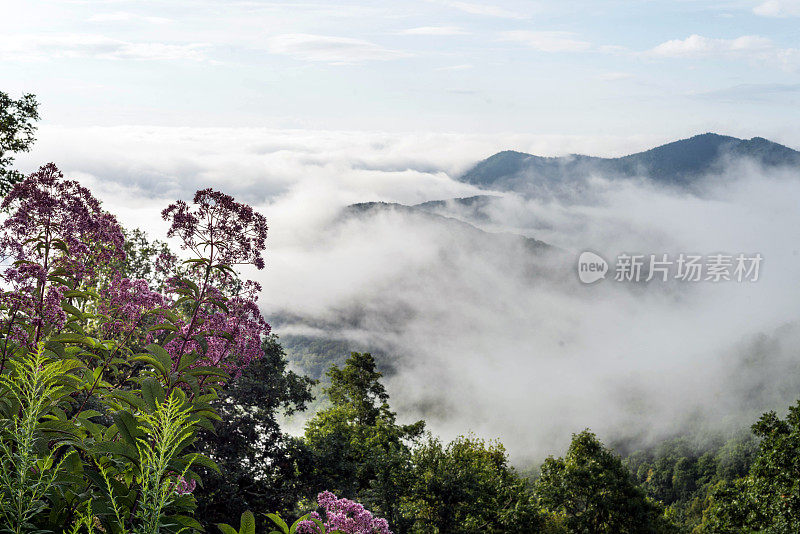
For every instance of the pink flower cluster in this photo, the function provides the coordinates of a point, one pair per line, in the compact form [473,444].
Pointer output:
[220,229]
[46,206]
[126,303]
[183,486]
[232,336]
[59,238]
[345,515]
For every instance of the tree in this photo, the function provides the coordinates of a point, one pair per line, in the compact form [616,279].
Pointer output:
[467,486]
[681,473]
[768,498]
[358,449]
[595,493]
[16,134]
[259,464]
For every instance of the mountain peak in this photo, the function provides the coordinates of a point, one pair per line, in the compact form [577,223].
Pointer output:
[678,163]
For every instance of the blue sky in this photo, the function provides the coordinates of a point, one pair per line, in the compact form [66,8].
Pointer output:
[594,68]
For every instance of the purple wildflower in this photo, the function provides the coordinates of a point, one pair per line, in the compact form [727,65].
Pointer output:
[64,216]
[345,515]
[232,336]
[220,229]
[126,303]
[183,486]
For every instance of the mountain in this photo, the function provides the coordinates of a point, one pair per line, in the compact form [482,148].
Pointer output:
[680,163]
[427,212]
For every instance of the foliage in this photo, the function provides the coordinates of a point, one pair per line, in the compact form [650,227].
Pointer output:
[123,374]
[594,493]
[33,387]
[247,525]
[357,447]
[682,474]
[259,466]
[767,499]
[468,486]
[16,134]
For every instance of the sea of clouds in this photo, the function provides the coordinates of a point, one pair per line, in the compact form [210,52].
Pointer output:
[485,336]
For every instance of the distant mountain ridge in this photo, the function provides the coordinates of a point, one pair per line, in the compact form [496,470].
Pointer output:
[678,163]
[426,211]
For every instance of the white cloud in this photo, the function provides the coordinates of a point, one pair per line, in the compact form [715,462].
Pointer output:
[465,66]
[547,41]
[615,76]
[28,47]
[434,30]
[328,49]
[698,46]
[483,9]
[749,47]
[124,16]
[778,8]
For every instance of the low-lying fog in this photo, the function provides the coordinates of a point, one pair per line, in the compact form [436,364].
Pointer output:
[488,336]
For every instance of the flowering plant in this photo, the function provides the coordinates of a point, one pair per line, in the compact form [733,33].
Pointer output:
[342,515]
[142,362]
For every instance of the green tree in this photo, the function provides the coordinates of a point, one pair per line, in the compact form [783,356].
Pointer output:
[682,472]
[358,449]
[16,134]
[259,465]
[768,498]
[594,492]
[468,486]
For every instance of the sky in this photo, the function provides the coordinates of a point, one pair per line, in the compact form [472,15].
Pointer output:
[599,69]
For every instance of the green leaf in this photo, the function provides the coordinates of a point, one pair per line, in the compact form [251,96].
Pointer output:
[127,426]
[159,352]
[187,522]
[280,522]
[153,393]
[248,525]
[163,326]
[199,459]
[150,360]
[116,448]
[166,313]
[129,398]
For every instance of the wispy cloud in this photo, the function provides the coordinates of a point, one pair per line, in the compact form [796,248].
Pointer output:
[488,10]
[615,76]
[29,47]
[760,92]
[125,16]
[434,30]
[699,46]
[547,41]
[464,66]
[748,47]
[328,49]
[778,8]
